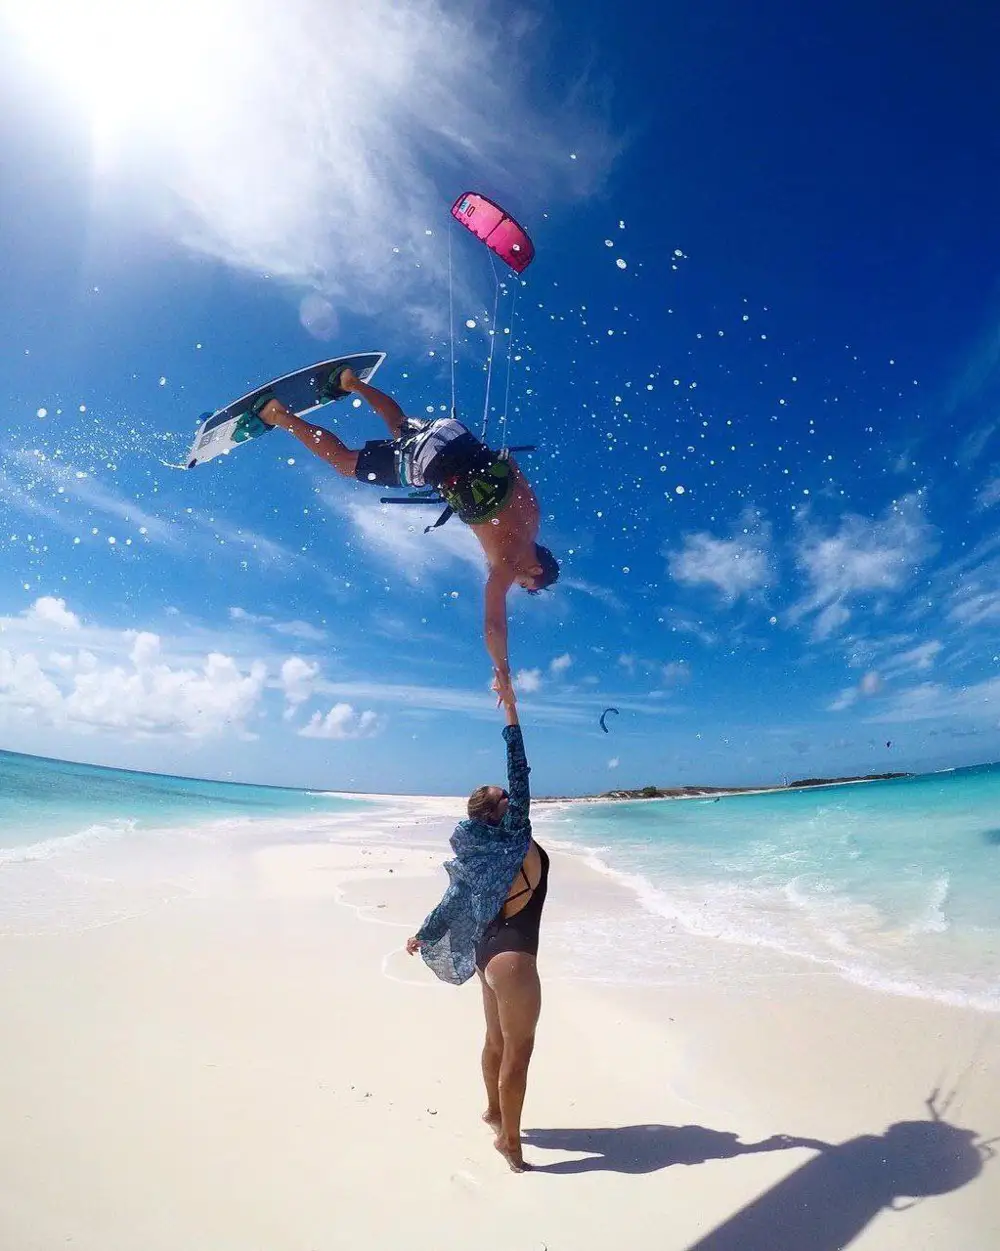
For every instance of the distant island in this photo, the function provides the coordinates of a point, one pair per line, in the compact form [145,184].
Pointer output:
[694,792]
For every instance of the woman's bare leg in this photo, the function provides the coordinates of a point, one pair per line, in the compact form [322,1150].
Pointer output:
[322,442]
[513,978]
[492,1057]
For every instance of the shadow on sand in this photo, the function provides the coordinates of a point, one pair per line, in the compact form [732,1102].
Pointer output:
[825,1204]
[646,1148]
[822,1206]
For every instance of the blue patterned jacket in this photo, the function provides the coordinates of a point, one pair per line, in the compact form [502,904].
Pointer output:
[486,861]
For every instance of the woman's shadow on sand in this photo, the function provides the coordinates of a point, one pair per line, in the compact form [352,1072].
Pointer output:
[646,1148]
[823,1205]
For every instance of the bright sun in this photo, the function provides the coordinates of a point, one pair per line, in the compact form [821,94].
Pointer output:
[132,64]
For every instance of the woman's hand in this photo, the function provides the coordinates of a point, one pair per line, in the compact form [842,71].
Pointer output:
[413,945]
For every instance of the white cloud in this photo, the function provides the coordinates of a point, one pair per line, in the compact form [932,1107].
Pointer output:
[52,611]
[396,536]
[870,684]
[118,680]
[298,681]
[149,698]
[735,567]
[341,722]
[528,680]
[145,650]
[846,699]
[560,664]
[614,762]
[863,557]
[366,118]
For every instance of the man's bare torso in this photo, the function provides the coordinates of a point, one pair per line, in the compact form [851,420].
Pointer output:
[509,539]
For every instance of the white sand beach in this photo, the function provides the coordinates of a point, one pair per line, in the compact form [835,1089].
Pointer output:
[254,1063]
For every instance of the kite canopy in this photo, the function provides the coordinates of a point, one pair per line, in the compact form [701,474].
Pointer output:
[604,715]
[497,229]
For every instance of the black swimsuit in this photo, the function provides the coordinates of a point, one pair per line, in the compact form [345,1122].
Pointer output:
[519,932]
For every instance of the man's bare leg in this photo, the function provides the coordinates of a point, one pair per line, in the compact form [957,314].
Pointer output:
[513,978]
[322,442]
[383,404]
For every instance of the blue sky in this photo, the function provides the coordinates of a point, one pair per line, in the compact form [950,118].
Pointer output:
[759,349]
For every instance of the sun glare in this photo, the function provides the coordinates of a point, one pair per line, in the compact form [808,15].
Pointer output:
[134,65]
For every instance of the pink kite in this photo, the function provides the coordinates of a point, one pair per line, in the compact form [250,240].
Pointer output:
[497,229]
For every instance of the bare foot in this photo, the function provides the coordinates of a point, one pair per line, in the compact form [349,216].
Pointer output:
[348,379]
[511,1152]
[493,1120]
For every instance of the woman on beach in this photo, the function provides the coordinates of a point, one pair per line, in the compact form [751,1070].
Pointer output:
[488,922]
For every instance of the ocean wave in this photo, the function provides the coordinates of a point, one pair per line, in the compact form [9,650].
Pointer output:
[807,919]
[90,836]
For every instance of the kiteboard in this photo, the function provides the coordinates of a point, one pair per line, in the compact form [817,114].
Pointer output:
[302,392]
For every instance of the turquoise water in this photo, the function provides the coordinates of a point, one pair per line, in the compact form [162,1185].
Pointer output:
[43,802]
[895,884]
[82,846]
[891,884]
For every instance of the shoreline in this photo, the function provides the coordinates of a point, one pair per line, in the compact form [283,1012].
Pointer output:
[261,1050]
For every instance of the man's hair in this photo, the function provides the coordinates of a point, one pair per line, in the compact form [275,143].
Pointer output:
[550,569]
[482,803]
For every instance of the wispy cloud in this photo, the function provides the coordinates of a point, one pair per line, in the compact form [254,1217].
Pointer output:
[735,566]
[861,559]
[69,497]
[366,120]
[988,495]
[976,703]
[342,722]
[975,443]
[301,630]
[914,660]
[870,684]
[395,536]
[971,588]
[593,590]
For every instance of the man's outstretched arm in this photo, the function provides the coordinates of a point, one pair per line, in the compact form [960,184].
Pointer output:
[495,625]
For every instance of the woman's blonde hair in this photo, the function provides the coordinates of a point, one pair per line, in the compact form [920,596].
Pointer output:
[482,803]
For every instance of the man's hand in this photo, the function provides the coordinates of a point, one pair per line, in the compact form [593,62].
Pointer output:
[504,688]
[413,945]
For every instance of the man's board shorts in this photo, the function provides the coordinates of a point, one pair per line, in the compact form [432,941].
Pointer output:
[475,481]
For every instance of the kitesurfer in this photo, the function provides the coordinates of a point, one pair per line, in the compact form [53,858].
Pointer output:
[486,489]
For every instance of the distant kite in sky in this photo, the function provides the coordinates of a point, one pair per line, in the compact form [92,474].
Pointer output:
[604,714]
